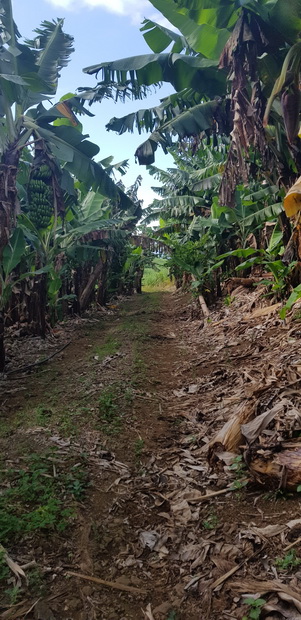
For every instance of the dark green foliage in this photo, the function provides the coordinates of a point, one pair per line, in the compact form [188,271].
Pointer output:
[36,499]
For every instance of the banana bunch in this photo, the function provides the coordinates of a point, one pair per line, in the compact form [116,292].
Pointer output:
[40,197]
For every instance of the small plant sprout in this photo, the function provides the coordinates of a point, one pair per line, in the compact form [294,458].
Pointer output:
[255,606]
[289,561]
[138,447]
[228,300]
[240,471]
[211,522]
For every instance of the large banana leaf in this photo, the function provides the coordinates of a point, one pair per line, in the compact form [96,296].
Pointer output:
[159,38]
[54,50]
[282,15]
[137,72]
[177,205]
[150,118]
[174,179]
[264,215]
[189,123]
[221,13]
[290,68]
[204,38]
[208,182]
[29,72]
[13,251]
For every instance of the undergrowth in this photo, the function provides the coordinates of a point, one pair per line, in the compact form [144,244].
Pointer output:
[110,412]
[39,496]
[108,347]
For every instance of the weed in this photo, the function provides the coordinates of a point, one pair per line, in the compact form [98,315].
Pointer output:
[67,425]
[277,494]
[35,581]
[12,595]
[139,364]
[110,346]
[176,421]
[138,447]
[34,499]
[76,482]
[228,300]
[109,411]
[172,615]
[131,326]
[289,561]
[129,396]
[43,414]
[239,469]
[297,316]
[139,369]
[211,522]
[4,570]
[255,607]
[239,484]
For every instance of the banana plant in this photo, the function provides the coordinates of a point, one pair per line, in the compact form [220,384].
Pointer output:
[213,42]
[12,257]
[29,73]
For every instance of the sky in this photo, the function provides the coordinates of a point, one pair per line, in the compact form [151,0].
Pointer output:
[103,30]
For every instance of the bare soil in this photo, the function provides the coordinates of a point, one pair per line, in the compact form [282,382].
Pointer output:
[127,409]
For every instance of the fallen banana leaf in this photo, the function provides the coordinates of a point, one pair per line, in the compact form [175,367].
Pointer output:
[250,586]
[262,311]
[14,567]
[253,429]
[229,438]
[233,570]
[292,200]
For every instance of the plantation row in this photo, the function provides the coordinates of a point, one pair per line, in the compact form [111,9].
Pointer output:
[68,230]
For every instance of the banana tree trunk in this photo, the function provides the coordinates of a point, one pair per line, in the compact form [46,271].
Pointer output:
[293,248]
[138,281]
[37,306]
[2,347]
[8,195]
[103,282]
[8,211]
[89,288]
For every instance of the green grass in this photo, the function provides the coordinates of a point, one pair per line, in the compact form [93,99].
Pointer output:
[156,279]
[33,498]
[110,346]
[131,326]
[110,411]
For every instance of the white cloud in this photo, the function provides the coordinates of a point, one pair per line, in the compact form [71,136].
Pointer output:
[134,8]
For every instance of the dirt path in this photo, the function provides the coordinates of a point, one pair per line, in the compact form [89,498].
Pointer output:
[104,471]
[98,414]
